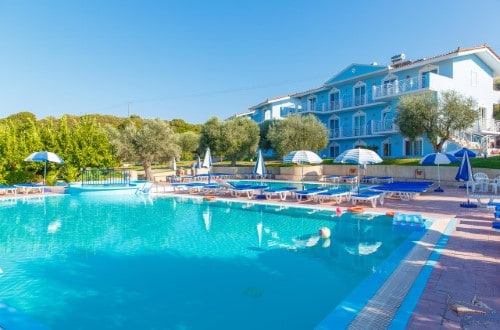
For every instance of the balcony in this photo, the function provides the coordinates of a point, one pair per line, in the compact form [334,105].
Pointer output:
[429,82]
[373,128]
[345,103]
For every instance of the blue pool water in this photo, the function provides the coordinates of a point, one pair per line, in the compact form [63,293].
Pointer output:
[136,262]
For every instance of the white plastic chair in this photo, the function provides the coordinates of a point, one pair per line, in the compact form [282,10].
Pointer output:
[495,183]
[480,182]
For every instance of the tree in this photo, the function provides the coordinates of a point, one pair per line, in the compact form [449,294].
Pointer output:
[154,141]
[90,145]
[297,132]
[437,119]
[188,142]
[241,138]
[264,142]
[211,136]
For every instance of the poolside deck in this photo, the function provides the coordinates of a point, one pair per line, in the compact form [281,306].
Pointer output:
[463,290]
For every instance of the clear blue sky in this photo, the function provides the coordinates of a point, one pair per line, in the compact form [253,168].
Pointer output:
[196,59]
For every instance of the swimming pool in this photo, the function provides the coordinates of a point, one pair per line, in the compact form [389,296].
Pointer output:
[114,262]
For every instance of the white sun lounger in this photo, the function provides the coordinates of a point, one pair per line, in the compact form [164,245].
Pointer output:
[368,197]
[333,195]
[282,192]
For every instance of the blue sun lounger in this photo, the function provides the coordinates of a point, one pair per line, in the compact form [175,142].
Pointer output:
[404,190]
[368,197]
[190,187]
[333,195]
[308,193]
[281,192]
[248,190]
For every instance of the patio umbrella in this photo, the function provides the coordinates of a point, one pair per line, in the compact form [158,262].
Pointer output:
[461,152]
[174,165]
[44,156]
[360,156]
[259,168]
[198,162]
[438,158]
[302,157]
[207,162]
[465,174]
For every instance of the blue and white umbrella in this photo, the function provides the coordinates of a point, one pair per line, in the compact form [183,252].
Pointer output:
[260,168]
[461,152]
[465,174]
[207,162]
[438,158]
[44,156]
[302,157]
[360,156]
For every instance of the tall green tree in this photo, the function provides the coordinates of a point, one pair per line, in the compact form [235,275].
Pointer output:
[188,142]
[211,136]
[241,138]
[90,145]
[423,114]
[297,132]
[264,142]
[154,141]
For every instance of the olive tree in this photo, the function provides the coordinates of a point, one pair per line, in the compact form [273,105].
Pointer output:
[154,141]
[437,119]
[241,138]
[297,132]
[188,143]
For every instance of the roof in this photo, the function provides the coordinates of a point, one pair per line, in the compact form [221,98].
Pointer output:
[484,52]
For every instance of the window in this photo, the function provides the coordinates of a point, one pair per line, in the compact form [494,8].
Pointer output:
[334,124]
[359,124]
[335,100]
[413,148]
[334,150]
[386,124]
[359,94]
[386,148]
[389,85]
[312,104]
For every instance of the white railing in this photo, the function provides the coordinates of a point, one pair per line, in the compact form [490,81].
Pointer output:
[431,81]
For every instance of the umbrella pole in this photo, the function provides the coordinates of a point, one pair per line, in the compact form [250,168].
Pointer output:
[439,189]
[302,176]
[45,173]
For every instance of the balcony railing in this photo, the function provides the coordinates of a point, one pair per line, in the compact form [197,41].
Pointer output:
[431,81]
[374,127]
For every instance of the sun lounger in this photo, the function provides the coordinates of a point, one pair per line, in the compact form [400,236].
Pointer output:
[403,190]
[281,192]
[333,195]
[384,179]
[28,188]
[190,187]
[368,197]
[368,179]
[350,179]
[308,193]
[248,190]
[332,178]
[4,190]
